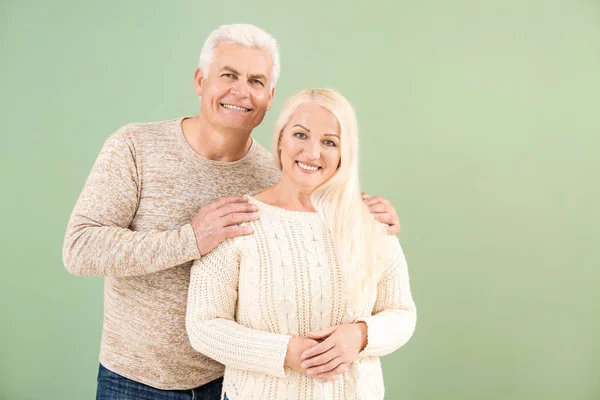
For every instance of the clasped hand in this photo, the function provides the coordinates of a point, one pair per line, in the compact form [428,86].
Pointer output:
[328,353]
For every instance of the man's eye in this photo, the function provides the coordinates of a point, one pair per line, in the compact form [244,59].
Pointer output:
[228,75]
[256,81]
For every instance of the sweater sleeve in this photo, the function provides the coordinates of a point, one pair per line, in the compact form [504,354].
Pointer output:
[210,319]
[394,316]
[98,240]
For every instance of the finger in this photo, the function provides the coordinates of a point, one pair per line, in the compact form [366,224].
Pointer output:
[384,217]
[231,208]
[378,208]
[369,201]
[322,333]
[236,230]
[321,359]
[329,366]
[238,218]
[380,199]
[335,373]
[318,349]
[376,199]
[364,195]
[226,200]
[393,229]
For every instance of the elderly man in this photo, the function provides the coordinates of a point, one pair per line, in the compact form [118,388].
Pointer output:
[163,194]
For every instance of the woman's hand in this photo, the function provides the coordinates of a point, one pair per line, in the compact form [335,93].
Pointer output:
[334,354]
[384,212]
[296,346]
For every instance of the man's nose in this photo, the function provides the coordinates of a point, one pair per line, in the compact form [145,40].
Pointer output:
[239,88]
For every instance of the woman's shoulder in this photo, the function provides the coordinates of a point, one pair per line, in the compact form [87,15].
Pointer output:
[274,212]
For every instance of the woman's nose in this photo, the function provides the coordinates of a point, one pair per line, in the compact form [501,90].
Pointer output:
[312,151]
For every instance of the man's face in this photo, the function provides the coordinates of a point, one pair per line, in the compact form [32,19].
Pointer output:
[237,92]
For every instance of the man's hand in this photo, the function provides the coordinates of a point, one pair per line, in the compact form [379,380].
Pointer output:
[384,212]
[339,349]
[219,220]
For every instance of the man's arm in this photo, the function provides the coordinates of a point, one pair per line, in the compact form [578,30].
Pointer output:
[98,240]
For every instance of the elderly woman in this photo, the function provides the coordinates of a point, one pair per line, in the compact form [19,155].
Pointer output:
[304,306]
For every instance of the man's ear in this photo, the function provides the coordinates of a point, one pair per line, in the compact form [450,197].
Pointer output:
[198,81]
[271,95]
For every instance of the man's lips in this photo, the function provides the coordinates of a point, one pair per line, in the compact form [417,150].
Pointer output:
[235,108]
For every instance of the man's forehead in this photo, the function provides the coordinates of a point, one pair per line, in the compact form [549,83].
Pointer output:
[242,59]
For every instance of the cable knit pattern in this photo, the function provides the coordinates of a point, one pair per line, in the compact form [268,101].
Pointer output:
[251,294]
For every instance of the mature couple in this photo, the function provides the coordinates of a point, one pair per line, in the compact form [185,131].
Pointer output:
[292,291]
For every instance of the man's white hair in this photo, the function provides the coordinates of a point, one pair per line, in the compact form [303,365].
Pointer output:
[246,35]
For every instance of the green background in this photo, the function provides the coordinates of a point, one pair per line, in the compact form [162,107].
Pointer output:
[479,120]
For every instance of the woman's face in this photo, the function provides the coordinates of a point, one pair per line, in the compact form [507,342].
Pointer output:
[310,147]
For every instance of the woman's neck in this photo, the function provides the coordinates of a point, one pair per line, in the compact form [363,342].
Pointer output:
[287,196]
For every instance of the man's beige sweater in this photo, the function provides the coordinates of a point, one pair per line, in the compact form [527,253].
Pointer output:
[131,225]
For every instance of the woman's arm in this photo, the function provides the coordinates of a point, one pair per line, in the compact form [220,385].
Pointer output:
[394,314]
[390,326]
[210,319]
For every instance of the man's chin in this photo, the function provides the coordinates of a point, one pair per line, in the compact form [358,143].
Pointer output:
[238,127]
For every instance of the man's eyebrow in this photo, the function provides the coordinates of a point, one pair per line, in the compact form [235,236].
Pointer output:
[258,76]
[303,127]
[231,69]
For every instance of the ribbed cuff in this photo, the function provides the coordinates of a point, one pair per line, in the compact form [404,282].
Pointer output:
[188,240]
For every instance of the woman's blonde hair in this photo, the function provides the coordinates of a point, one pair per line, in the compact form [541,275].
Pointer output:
[360,239]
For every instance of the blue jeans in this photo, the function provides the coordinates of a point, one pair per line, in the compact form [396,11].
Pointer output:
[112,386]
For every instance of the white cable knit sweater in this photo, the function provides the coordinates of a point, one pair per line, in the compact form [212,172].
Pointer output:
[251,294]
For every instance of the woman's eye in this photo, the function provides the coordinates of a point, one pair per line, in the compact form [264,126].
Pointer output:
[300,135]
[329,143]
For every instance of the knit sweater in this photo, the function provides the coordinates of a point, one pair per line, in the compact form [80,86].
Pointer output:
[131,225]
[252,293]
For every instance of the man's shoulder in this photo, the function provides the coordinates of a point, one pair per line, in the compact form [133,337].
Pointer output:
[149,130]
[262,155]
[264,158]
